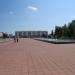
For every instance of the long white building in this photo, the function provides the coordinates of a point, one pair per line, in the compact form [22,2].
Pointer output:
[1,34]
[31,34]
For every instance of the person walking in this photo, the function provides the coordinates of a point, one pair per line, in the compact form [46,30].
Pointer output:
[17,40]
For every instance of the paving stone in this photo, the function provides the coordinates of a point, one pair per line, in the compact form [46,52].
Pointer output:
[32,57]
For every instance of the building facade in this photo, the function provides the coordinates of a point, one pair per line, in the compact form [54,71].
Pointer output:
[31,34]
[1,34]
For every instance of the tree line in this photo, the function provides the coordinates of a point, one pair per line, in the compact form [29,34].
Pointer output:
[65,31]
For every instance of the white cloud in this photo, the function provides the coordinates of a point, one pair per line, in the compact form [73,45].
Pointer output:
[33,8]
[11,12]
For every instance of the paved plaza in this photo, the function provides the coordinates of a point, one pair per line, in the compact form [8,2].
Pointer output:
[32,57]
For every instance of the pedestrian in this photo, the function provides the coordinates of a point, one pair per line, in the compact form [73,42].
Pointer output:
[17,40]
[14,39]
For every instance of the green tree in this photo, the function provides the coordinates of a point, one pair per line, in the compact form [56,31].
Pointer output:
[52,33]
[58,31]
[65,31]
[5,35]
[71,28]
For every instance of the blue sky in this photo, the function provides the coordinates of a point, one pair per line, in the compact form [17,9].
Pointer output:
[22,15]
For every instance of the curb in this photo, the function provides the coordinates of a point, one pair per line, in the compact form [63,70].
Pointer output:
[56,42]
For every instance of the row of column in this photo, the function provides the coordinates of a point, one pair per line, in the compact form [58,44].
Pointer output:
[31,34]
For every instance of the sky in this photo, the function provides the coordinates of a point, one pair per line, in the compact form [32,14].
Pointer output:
[27,15]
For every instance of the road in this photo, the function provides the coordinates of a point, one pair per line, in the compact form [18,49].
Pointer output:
[32,57]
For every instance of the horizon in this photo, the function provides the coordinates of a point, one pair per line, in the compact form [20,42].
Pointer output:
[24,15]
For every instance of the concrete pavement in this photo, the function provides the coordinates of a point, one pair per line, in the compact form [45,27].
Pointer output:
[31,57]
